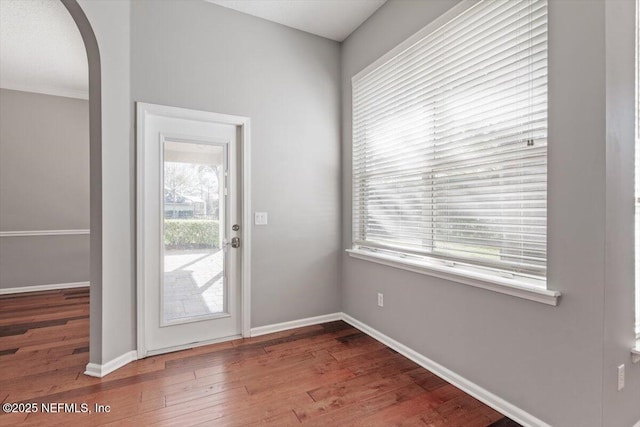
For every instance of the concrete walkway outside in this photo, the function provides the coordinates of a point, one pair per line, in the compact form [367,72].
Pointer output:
[193,283]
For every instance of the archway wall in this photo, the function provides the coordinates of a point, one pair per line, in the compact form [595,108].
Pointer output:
[105,28]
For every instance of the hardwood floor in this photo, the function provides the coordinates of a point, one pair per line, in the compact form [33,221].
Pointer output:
[323,375]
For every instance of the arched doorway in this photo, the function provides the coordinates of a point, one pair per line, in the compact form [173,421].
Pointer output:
[95,175]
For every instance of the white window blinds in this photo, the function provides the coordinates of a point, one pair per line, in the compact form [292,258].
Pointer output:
[450,142]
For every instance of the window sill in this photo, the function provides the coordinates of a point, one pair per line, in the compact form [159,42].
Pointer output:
[635,352]
[503,286]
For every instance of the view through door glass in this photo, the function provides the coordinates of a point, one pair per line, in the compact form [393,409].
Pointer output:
[193,208]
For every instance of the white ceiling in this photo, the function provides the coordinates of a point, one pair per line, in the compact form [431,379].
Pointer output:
[333,19]
[41,49]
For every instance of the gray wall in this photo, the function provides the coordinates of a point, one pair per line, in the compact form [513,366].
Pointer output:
[198,55]
[620,409]
[549,361]
[44,185]
[105,28]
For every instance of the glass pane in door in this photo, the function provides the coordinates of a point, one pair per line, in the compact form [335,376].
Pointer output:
[193,226]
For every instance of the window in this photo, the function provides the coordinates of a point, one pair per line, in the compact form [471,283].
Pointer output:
[450,144]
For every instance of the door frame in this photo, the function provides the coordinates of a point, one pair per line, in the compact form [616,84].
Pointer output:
[242,124]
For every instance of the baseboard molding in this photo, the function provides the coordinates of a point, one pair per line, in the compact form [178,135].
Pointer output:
[485,396]
[40,288]
[38,233]
[99,371]
[516,414]
[309,321]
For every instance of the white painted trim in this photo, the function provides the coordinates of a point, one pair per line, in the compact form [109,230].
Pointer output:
[247,224]
[188,114]
[244,125]
[635,353]
[40,288]
[140,247]
[483,395]
[637,424]
[31,233]
[503,286]
[284,326]
[45,90]
[99,371]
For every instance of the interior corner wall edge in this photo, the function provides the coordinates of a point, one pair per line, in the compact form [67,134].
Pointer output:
[621,408]
[114,331]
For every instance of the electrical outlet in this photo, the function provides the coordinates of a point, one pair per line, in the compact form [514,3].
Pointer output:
[620,377]
[380,300]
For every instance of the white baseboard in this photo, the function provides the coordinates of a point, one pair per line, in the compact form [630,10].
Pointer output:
[39,288]
[35,233]
[309,321]
[485,396]
[99,371]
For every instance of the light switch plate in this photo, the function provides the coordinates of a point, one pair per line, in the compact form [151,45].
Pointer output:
[261,218]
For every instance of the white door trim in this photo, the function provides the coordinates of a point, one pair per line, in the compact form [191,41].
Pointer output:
[244,145]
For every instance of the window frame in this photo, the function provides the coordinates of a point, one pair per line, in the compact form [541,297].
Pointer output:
[478,276]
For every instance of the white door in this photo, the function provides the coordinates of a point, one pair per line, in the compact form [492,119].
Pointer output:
[189,230]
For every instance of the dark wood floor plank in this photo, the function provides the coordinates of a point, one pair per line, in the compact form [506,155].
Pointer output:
[505,422]
[255,410]
[21,328]
[41,317]
[322,375]
[396,414]
[345,393]
[390,365]
[350,413]
[81,350]
[310,344]
[36,338]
